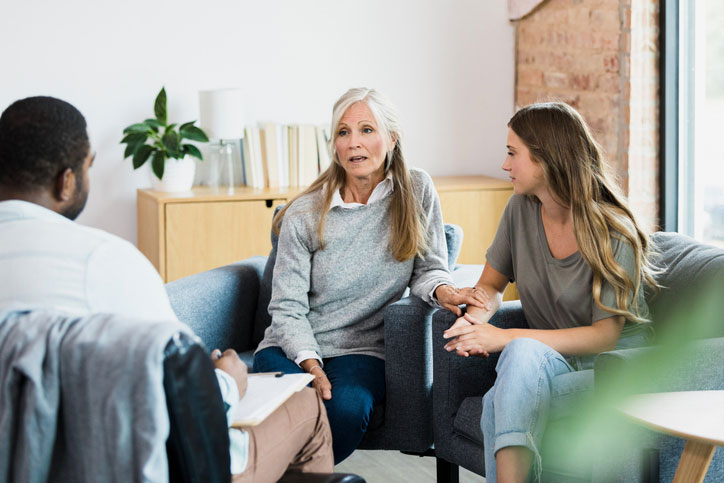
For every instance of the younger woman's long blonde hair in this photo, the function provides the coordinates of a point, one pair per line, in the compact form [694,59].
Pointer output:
[409,226]
[573,165]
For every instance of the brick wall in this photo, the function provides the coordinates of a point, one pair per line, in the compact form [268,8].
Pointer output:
[582,52]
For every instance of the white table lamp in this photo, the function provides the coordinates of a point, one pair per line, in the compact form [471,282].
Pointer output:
[222,118]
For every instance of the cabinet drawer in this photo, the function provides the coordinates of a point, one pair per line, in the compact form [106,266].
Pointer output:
[205,235]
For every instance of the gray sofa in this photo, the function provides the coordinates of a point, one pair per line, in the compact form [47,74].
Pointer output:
[689,355]
[227,308]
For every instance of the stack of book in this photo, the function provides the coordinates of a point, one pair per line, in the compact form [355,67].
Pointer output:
[279,156]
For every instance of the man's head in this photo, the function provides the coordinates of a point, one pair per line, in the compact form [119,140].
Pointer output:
[45,154]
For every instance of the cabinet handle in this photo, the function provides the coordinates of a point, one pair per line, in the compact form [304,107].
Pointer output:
[269,203]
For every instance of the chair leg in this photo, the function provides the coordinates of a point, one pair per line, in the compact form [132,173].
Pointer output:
[446,471]
[650,466]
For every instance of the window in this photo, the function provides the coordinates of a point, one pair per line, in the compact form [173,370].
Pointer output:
[693,122]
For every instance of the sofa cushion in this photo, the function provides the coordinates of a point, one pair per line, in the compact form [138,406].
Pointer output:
[263,319]
[454,240]
[687,265]
[689,303]
[467,419]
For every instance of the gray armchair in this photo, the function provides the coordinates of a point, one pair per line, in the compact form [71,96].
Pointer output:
[692,271]
[227,308]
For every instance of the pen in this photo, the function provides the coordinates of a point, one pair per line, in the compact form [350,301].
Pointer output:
[275,374]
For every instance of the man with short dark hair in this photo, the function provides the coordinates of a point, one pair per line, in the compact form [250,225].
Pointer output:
[45,156]
[49,262]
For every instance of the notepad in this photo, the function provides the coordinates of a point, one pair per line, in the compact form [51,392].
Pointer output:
[264,394]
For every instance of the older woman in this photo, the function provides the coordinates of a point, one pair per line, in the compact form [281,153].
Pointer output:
[349,245]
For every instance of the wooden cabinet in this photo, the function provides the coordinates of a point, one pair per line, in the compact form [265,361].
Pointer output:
[475,203]
[186,233]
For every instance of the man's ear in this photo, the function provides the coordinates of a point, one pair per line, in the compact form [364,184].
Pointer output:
[65,185]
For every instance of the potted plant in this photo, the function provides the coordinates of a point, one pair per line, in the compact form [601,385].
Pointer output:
[172,160]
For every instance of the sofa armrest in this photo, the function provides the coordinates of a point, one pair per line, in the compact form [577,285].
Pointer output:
[220,304]
[692,366]
[408,375]
[457,378]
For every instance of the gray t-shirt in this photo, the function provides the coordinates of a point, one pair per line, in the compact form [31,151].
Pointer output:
[555,293]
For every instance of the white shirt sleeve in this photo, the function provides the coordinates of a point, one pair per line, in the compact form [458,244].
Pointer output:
[238,439]
[135,289]
[304,355]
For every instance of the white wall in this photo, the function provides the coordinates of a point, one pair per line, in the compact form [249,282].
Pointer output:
[447,65]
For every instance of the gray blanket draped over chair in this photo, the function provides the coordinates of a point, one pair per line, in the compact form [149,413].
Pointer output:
[83,398]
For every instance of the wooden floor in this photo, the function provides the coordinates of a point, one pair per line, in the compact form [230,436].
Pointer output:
[393,466]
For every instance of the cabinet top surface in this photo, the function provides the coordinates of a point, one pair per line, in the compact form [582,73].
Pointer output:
[461,183]
[201,193]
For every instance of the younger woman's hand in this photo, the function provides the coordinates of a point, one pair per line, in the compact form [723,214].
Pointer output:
[476,339]
[450,297]
[321,382]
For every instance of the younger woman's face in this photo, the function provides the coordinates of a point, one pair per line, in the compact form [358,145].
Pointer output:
[525,173]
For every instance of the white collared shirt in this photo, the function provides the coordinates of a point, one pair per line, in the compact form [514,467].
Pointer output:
[383,189]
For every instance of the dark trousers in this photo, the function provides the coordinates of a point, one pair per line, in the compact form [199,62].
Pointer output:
[358,384]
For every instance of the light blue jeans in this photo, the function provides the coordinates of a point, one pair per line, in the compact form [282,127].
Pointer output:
[515,409]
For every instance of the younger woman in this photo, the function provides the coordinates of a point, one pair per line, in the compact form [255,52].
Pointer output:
[579,259]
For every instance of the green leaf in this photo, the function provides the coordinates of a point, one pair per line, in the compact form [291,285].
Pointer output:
[140,127]
[186,124]
[135,138]
[153,123]
[131,149]
[171,141]
[158,163]
[141,156]
[192,150]
[193,133]
[159,107]
[170,127]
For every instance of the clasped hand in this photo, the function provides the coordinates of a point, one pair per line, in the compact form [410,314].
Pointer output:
[471,337]
[450,297]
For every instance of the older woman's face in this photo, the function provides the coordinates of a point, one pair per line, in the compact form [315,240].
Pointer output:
[360,146]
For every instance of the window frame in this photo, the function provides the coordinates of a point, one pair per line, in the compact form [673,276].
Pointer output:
[669,99]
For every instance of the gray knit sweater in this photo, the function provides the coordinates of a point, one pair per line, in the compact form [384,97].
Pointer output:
[331,301]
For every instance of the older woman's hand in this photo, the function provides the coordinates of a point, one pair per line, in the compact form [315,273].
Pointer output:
[450,297]
[321,382]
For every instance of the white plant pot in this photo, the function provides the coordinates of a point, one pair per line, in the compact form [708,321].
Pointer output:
[178,175]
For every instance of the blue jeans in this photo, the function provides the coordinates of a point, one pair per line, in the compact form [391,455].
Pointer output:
[515,409]
[358,384]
